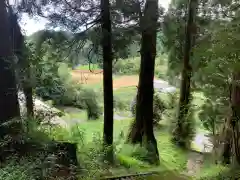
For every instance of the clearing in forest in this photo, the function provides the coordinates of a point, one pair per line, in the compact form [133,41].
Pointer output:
[96,77]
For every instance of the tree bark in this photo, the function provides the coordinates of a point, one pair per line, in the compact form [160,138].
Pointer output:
[142,128]
[107,77]
[226,138]
[185,90]
[29,101]
[226,135]
[23,65]
[231,128]
[26,83]
[235,123]
[9,104]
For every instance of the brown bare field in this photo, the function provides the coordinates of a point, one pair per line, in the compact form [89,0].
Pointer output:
[87,77]
[125,81]
[95,77]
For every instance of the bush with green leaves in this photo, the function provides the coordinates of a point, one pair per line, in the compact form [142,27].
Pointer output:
[212,115]
[75,95]
[120,104]
[21,169]
[158,107]
[183,132]
[132,66]
[161,67]
[127,66]
[90,100]
[53,81]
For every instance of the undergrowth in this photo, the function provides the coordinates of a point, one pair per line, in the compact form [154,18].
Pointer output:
[129,159]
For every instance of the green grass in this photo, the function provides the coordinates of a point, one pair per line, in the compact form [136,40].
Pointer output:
[92,129]
[73,113]
[89,136]
[97,87]
[171,156]
[126,92]
[124,97]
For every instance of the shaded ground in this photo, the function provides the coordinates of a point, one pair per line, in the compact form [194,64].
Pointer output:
[194,163]
[165,175]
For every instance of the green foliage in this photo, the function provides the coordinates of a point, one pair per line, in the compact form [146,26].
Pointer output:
[121,104]
[91,103]
[219,172]
[127,66]
[158,108]
[183,134]
[173,37]
[214,73]
[161,67]
[123,98]
[53,81]
[137,151]
[131,162]
[212,116]
[90,147]
[174,33]
[21,169]
[132,66]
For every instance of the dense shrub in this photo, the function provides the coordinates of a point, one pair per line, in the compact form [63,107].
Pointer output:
[21,169]
[53,81]
[90,100]
[212,115]
[120,104]
[161,67]
[132,66]
[158,107]
[127,66]
[183,135]
[75,95]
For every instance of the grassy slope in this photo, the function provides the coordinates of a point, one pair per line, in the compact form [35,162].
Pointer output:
[172,158]
[89,134]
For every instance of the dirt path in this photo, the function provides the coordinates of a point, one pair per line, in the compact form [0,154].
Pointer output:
[194,163]
[201,144]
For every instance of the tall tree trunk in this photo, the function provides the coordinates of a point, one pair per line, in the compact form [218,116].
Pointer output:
[142,128]
[25,79]
[227,139]
[107,77]
[8,92]
[184,100]
[235,121]
[23,65]
[226,135]
[135,135]
[29,101]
